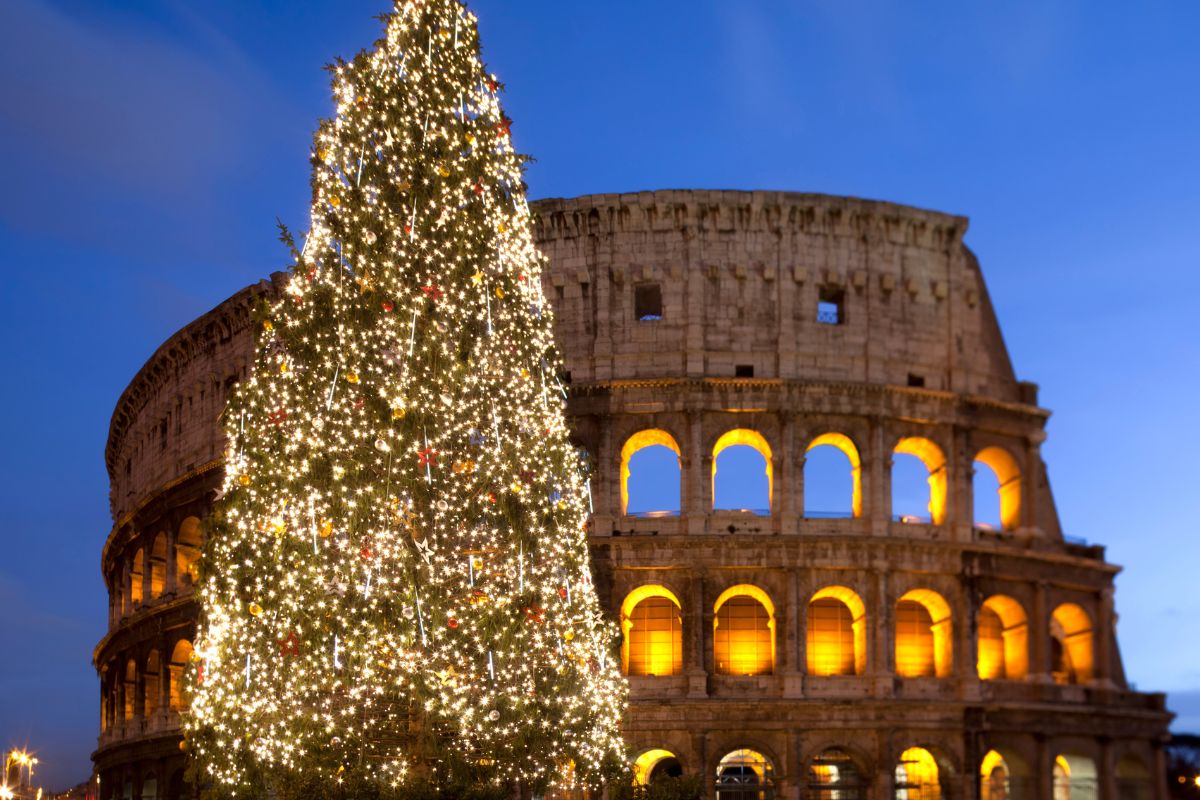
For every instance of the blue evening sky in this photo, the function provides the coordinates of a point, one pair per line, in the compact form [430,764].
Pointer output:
[149,145]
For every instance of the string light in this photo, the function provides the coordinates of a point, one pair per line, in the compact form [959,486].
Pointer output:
[402,505]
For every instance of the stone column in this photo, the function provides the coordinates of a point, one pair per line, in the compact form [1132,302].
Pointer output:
[164,678]
[699,475]
[793,638]
[696,621]
[789,481]
[119,685]
[881,641]
[1039,637]
[1030,478]
[1043,770]
[170,566]
[1106,772]
[1105,636]
[877,494]
[126,588]
[147,571]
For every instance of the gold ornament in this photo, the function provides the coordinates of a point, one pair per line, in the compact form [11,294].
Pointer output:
[244,479]
[470,138]
[463,467]
[283,368]
[335,201]
[399,412]
[326,528]
[569,635]
[351,377]
[267,326]
[524,372]
[256,610]
[445,173]
[501,227]
[477,278]
[499,292]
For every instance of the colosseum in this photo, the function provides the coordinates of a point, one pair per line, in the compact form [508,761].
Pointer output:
[777,652]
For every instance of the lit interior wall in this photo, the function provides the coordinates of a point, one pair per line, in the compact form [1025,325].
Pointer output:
[917,776]
[993,777]
[924,635]
[752,439]
[158,566]
[653,632]
[1003,646]
[833,776]
[151,684]
[639,441]
[187,550]
[180,657]
[744,775]
[644,764]
[935,462]
[1072,627]
[836,632]
[744,632]
[1001,462]
[1074,777]
[844,444]
[136,574]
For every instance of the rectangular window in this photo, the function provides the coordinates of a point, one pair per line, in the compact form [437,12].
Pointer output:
[831,306]
[743,371]
[916,380]
[647,302]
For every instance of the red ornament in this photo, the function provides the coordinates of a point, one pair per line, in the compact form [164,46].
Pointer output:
[278,417]
[358,403]
[290,646]
[492,85]
[407,228]
[535,614]
[504,126]
[427,456]
[491,496]
[479,189]
[432,291]
[452,623]
[365,553]
[527,476]
[200,674]
[386,305]
[562,592]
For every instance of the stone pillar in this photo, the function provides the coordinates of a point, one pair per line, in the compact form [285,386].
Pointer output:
[789,480]
[882,656]
[960,510]
[126,588]
[1043,770]
[119,685]
[1106,772]
[793,639]
[1105,637]
[164,678]
[696,622]
[147,571]
[878,491]
[699,476]
[1039,637]
[1030,478]
[170,566]
[605,506]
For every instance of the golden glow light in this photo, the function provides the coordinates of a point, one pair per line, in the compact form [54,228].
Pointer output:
[401,544]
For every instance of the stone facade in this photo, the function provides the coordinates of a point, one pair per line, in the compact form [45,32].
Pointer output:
[792,321]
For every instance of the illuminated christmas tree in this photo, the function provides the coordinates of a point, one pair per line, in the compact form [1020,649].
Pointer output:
[396,583]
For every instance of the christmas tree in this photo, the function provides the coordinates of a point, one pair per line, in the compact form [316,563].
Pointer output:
[396,586]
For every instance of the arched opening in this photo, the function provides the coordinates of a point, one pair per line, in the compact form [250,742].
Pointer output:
[914,460]
[837,634]
[1074,778]
[923,635]
[737,457]
[1071,644]
[993,777]
[151,685]
[136,577]
[655,765]
[130,689]
[652,459]
[158,566]
[1133,779]
[834,776]
[1003,633]
[653,632]
[187,551]
[745,775]
[997,490]
[180,657]
[150,787]
[832,478]
[744,632]
[105,703]
[917,776]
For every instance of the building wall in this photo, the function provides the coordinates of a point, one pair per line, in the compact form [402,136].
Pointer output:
[915,356]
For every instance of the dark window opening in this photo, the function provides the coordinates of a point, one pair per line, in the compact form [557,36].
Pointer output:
[916,380]
[565,376]
[831,306]
[647,302]
[743,371]
[583,289]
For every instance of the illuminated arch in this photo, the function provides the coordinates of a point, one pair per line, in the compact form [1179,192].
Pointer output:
[181,655]
[645,765]
[158,566]
[917,776]
[833,775]
[149,787]
[151,684]
[830,611]
[1133,779]
[130,688]
[1003,645]
[934,460]
[752,439]
[924,635]
[744,631]
[187,550]
[137,577]
[652,632]
[640,441]
[842,442]
[1001,462]
[745,775]
[1074,777]
[1071,628]
[994,779]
